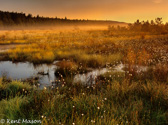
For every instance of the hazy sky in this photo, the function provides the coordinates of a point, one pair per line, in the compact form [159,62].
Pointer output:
[119,10]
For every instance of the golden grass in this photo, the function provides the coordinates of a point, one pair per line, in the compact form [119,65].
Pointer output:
[138,99]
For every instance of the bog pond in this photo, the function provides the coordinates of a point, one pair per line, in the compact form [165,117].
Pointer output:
[46,73]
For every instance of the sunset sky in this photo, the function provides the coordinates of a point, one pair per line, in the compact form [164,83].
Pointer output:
[118,10]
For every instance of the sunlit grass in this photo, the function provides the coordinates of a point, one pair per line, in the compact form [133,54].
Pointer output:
[128,97]
[115,103]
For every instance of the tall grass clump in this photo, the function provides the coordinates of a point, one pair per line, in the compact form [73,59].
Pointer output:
[13,108]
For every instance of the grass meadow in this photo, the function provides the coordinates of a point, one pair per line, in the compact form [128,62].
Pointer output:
[117,98]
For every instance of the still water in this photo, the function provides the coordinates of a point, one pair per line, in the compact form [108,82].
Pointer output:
[25,70]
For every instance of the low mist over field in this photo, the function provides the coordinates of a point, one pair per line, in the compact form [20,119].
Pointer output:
[10,20]
[84,62]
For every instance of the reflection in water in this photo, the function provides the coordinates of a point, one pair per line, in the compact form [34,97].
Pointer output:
[89,78]
[138,68]
[119,68]
[27,70]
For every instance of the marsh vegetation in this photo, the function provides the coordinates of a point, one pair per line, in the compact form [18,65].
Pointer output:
[113,76]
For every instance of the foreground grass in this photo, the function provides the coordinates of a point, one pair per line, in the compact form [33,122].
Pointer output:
[114,103]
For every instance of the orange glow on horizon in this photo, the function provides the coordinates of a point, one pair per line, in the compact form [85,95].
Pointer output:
[125,11]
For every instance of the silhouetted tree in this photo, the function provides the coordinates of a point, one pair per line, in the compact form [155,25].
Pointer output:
[158,21]
[29,16]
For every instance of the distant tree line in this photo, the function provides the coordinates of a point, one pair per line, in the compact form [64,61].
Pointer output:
[14,18]
[21,19]
[152,26]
